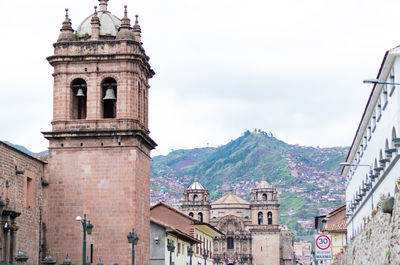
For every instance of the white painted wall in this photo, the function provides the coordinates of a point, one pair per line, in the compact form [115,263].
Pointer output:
[390,117]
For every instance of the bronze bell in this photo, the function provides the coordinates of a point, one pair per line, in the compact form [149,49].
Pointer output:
[110,94]
[80,93]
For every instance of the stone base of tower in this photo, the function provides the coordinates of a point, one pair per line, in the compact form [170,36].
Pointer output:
[111,185]
[266,247]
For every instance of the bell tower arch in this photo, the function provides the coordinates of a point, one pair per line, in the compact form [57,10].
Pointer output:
[99,145]
[196,202]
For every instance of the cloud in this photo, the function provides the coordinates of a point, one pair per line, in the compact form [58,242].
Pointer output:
[291,67]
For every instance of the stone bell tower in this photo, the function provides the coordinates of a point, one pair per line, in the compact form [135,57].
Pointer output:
[264,204]
[266,234]
[196,202]
[99,146]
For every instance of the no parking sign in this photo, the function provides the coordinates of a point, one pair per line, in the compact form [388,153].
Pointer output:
[323,246]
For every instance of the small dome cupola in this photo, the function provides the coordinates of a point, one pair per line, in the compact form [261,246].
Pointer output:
[196,185]
[264,184]
[109,23]
[264,192]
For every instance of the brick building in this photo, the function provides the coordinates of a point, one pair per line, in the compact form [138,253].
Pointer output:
[22,204]
[252,234]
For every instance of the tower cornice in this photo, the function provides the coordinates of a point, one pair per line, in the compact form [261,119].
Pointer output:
[99,50]
[140,134]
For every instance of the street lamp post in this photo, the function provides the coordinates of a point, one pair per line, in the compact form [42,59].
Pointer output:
[171,248]
[190,253]
[133,239]
[87,228]
[217,259]
[205,257]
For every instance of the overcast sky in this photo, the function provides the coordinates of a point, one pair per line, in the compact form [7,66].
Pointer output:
[292,67]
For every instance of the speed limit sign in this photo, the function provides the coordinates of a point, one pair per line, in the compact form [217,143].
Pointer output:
[323,246]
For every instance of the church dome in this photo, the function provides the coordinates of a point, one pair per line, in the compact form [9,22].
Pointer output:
[263,184]
[196,185]
[109,23]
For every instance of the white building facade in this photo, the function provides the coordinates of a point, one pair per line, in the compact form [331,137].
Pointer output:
[374,153]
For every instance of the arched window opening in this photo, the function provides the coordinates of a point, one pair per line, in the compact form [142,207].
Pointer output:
[269,218]
[79,92]
[200,217]
[191,214]
[391,80]
[264,197]
[195,197]
[395,140]
[260,218]
[109,98]
[140,109]
[379,109]
[230,243]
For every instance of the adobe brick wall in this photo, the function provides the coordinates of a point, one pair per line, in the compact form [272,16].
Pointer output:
[30,207]
[111,185]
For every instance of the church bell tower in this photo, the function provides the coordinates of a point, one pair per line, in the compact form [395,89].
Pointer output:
[99,145]
[196,202]
[264,205]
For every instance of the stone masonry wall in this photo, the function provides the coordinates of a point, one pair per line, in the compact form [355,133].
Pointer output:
[28,201]
[378,243]
[109,184]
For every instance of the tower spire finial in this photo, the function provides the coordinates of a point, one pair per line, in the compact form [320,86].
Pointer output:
[263,177]
[195,179]
[103,5]
[137,30]
[125,31]
[67,33]
[95,23]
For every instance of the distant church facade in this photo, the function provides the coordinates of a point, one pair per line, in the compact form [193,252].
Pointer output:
[252,234]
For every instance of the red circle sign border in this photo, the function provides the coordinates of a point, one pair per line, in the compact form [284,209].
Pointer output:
[320,247]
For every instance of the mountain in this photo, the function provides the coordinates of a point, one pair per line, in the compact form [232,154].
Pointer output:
[307,178]
[41,155]
[20,148]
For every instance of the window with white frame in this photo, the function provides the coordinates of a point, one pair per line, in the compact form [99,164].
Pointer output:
[385,96]
[369,133]
[391,80]
[373,123]
[379,110]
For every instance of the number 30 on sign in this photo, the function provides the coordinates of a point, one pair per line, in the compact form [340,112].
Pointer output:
[323,246]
